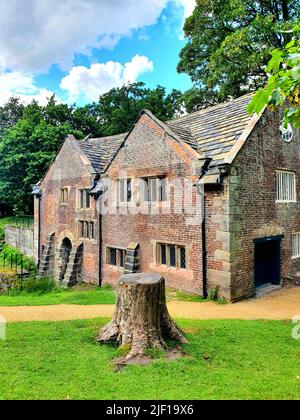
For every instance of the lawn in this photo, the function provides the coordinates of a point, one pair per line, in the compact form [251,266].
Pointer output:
[76,296]
[226,360]
[81,295]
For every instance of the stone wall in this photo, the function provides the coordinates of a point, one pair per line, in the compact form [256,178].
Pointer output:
[21,239]
[70,170]
[253,210]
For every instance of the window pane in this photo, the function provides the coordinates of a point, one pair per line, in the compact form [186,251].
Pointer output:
[172,256]
[129,193]
[82,229]
[92,230]
[285,186]
[87,198]
[81,199]
[112,256]
[87,231]
[163,190]
[153,189]
[296,245]
[122,258]
[146,189]
[182,258]
[163,254]
[122,191]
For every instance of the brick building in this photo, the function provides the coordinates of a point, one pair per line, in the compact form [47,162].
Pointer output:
[210,200]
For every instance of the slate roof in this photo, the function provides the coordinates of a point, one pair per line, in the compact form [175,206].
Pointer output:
[212,132]
[100,151]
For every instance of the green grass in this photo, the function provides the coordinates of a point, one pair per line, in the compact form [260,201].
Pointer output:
[81,296]
[226,360]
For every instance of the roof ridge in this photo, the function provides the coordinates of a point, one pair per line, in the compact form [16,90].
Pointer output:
[212,107]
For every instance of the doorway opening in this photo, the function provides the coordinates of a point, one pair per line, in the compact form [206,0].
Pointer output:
[65,251]
[267,268]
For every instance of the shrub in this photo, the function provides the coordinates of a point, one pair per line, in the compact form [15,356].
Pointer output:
[39,286]
[213,294]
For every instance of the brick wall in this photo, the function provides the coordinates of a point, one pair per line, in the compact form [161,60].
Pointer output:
[253,210]
[70,170]
[149,151]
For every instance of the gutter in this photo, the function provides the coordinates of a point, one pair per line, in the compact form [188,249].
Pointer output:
[36,191]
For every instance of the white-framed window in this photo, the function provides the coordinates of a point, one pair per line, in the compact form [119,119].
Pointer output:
[296,245]
[285,187]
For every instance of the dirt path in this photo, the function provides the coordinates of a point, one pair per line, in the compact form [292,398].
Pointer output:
[280,305]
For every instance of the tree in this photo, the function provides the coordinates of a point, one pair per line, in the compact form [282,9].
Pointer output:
[283,86]
[141,320]
[230,43]
[119,108]
[10,113]
[26,150]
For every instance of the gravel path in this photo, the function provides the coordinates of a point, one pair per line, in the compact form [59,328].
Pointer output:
[280,305]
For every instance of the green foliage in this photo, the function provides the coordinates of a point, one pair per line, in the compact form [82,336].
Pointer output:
[283,87]
[4,222]
[9,253]
[229,44]
[10,113]
[213,294]
[39,286]
[225,360]
[32,135]
[119,109]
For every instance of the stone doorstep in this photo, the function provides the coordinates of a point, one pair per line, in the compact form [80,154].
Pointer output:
[266,289]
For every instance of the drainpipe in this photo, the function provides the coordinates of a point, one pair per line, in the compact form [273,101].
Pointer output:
[36,191]
[201,191]
[96,192]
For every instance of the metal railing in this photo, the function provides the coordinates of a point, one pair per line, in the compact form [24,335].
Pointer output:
[22,221]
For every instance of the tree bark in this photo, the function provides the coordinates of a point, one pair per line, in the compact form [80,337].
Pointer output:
[141,319]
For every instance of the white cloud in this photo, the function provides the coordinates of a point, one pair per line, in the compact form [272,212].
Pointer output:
[188,6]
[89,83]
[21,85]
[34,34]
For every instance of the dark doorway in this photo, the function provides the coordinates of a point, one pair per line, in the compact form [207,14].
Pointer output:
[267,261]
[65,251]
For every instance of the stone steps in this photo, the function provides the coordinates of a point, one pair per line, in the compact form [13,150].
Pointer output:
[47,258]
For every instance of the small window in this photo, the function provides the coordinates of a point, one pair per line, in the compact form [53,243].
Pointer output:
[81,229]
[296,245]
[84,199]
[64,196]
[125,191]
[285,187]
[92,230]
[163,254]
[182,258]
[116,257]
[86,229]
[113,256]
[155,189]
[172,256]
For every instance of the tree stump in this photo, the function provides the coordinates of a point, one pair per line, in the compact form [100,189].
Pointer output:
[141,319]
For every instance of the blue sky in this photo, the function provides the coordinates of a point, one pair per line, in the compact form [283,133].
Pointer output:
[81,52]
